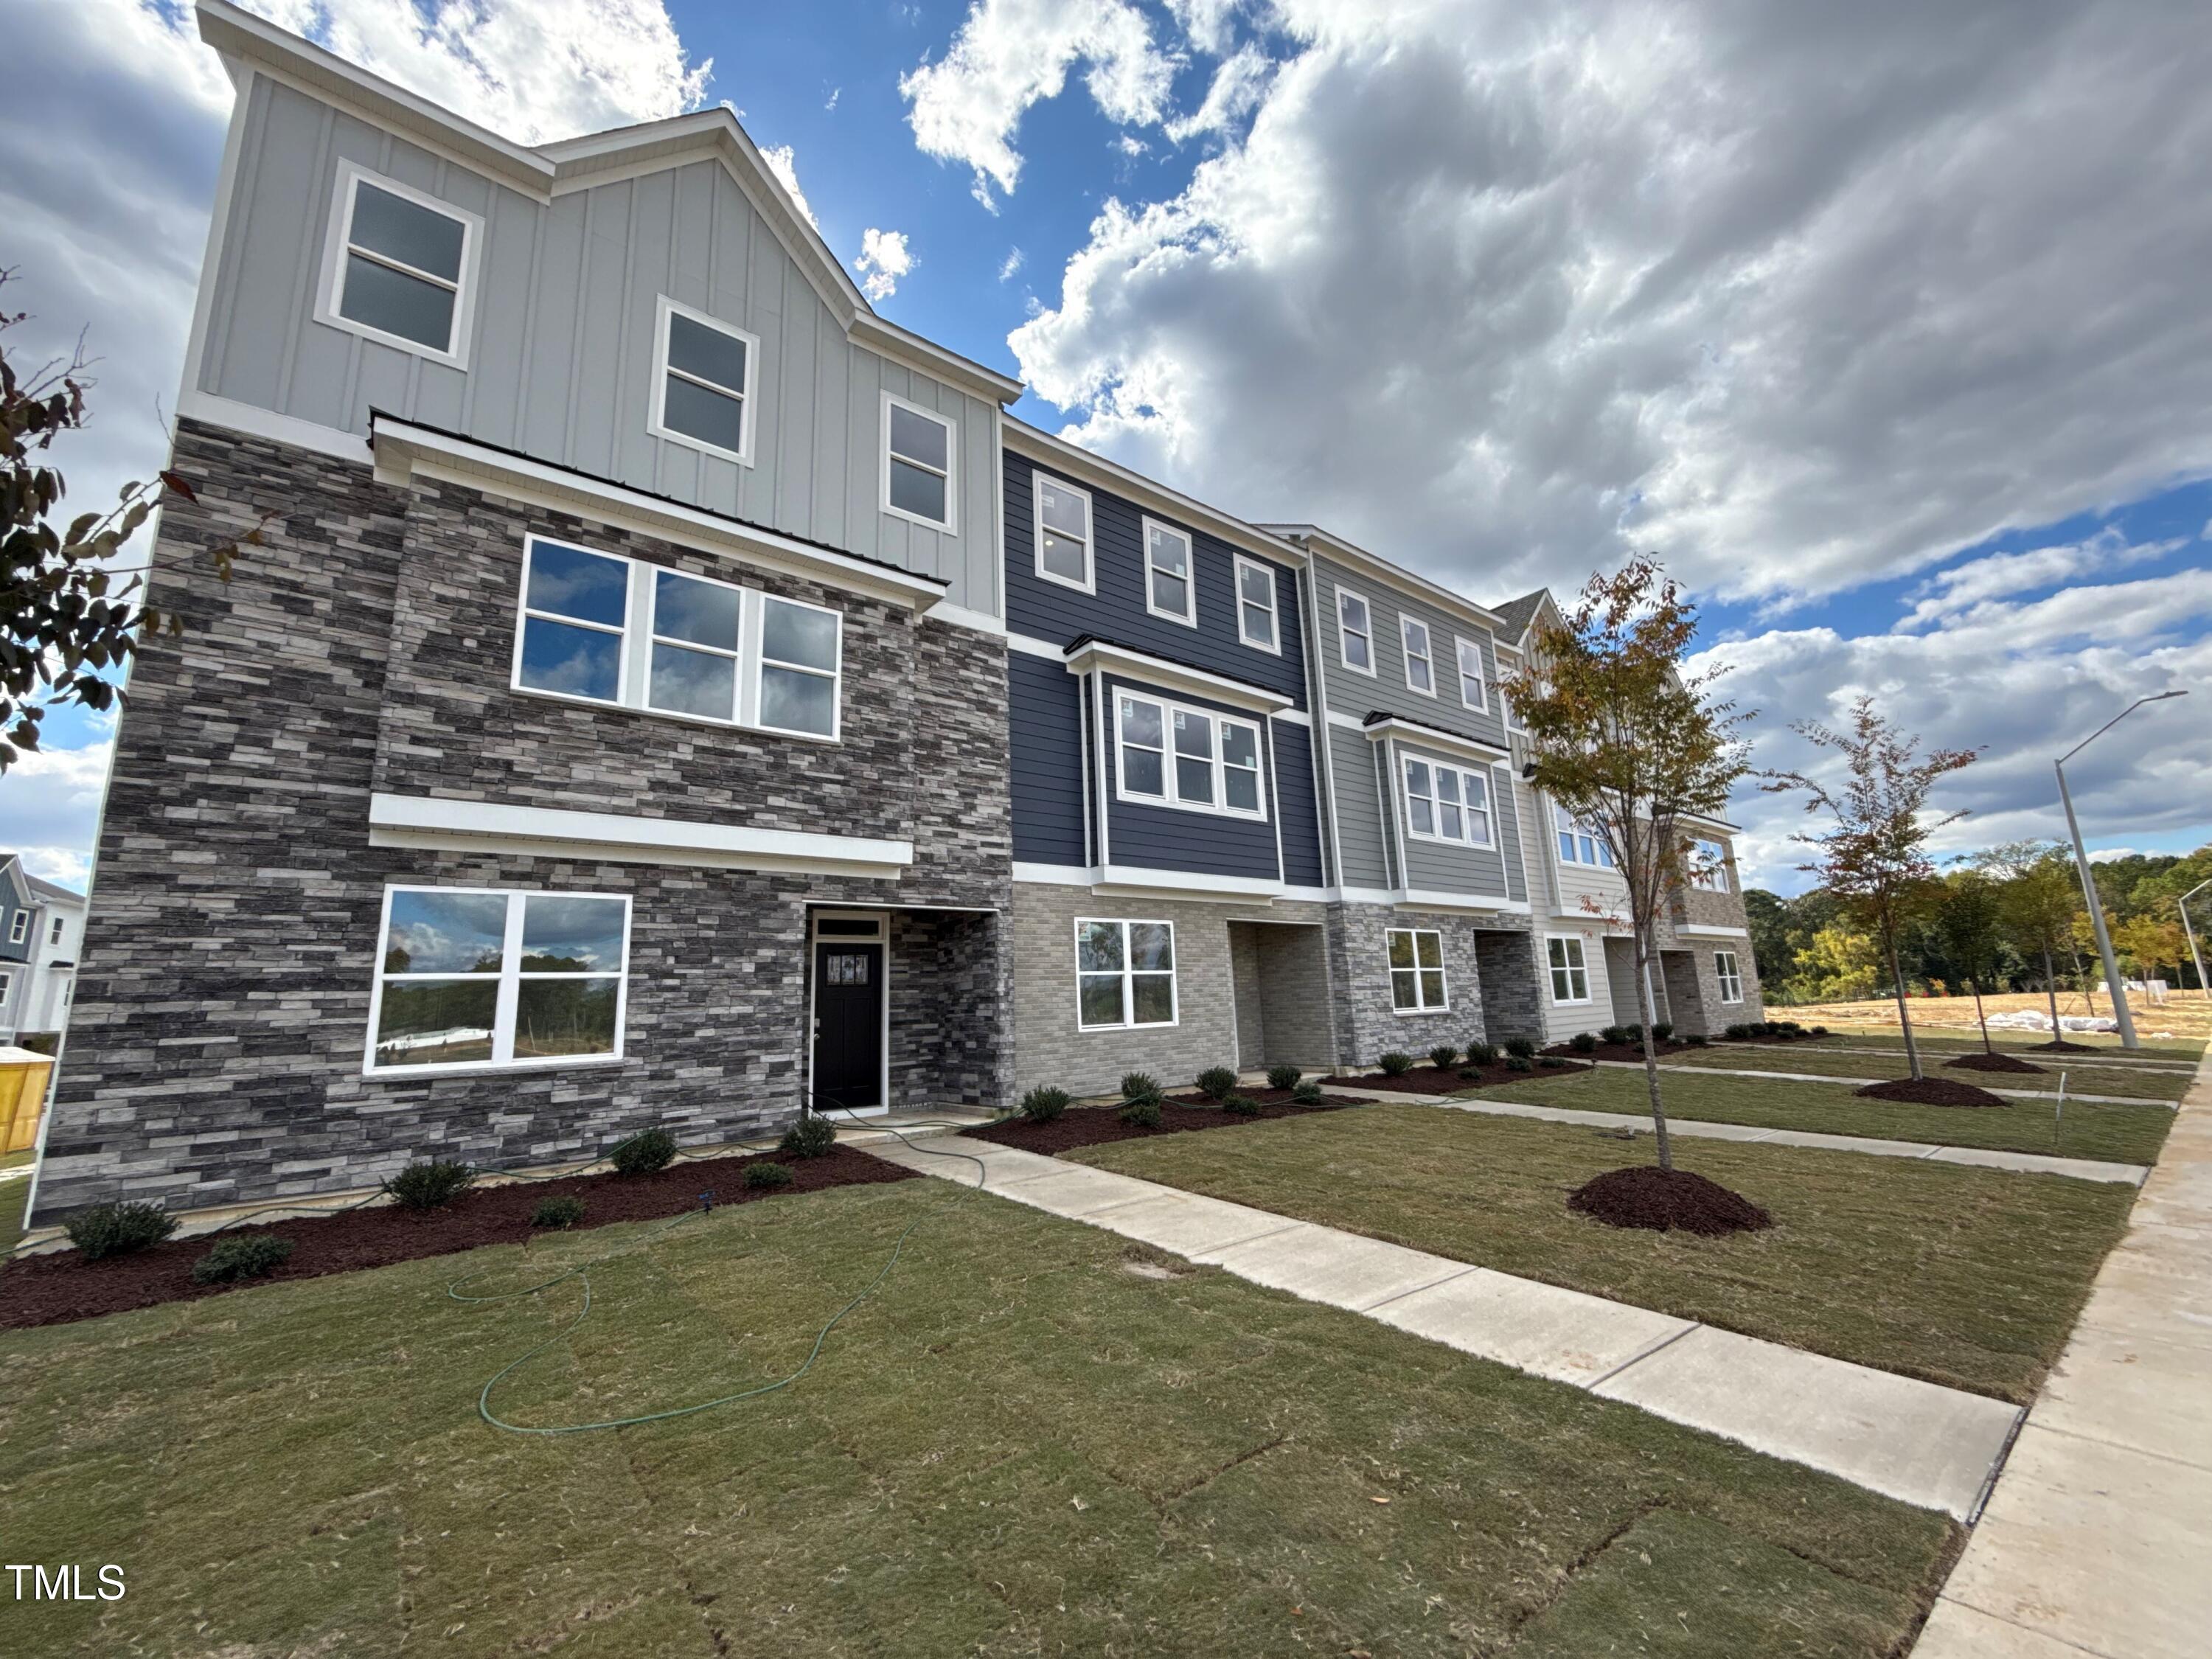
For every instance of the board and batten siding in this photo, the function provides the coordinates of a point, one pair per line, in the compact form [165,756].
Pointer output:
[561,347]
[1045,726]
[1350,692]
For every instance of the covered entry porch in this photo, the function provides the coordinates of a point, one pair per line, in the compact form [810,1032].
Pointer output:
[906,1010]
[1278,973]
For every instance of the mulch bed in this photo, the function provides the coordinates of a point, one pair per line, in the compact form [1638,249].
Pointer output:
[1438,1080]
[1994,1063]
[1930,1091]
[1094,1125]
[57,1288]
[1630,1052]
[1667,1200]
[2061,1046]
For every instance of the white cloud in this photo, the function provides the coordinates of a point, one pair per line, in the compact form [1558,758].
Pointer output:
[1205,21]
[50,808]
[1238,85]
[1977,581]
[1010,54]
[831,105]
[1010,265]
[784,165]
[884,258]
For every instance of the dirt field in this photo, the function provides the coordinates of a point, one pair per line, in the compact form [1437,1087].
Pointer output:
[2184,1016]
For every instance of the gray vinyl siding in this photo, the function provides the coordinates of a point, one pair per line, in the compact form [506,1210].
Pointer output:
[1296,801]
[1442,868]
[1507,806]
[560,361]
[1358,810]
[1044,724]
[1360,694]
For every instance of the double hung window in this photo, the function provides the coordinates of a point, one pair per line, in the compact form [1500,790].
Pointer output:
[1417,970]
[1447,803]
[1473,692]
[1577,844]
[919,446]
[19,927]
[1189,757]
[703,392]
[1125,974]
[1063,532]
[1170,584]
[402,267]
[1256,620]
[1420,663]
[1355,632]
[1731,979]
[1570,972]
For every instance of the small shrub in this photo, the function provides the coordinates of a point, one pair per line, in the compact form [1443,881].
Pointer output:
[1793,1027]
[106,1230]
[1662,1030]
[564,1212]
[1042,1104]
[1306,1092]
[1819,1031]
[1737,1032]
[766,1177]
[1583,1042]
[1482,1054]
[1696,1039]
[1520,1048]
[1550,1063]
[1141,1085]
[1217,1083]
[811,1137]
[643,1153]
[1443,1056]
[246,1256]
[1518,1063]
[425,1185]
[1145,1113]
[1241,1106]
[1633,1035]
[1469,1074]
[1394,1064]
[1613,1036]
[1284,1076]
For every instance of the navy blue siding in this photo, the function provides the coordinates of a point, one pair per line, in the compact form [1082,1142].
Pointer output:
[1295,800]
[1172,838]
[1048,610]
[1045,727]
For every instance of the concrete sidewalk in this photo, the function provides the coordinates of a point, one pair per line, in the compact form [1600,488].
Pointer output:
[1928,1445]
[1861,1082]
[2097,1539]
[2081,1168]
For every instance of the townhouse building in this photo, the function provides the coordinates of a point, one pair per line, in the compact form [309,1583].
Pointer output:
[666,692]
[41,924]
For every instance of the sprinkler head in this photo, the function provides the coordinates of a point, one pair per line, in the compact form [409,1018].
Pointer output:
[707,1201]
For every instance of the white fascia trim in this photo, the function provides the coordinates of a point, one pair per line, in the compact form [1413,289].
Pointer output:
[1707,930]
[1029,645]
[1696,822]
[428,821]
[1158,671]
[1131,879]
[961,616]
[1416,898]
[1420,736]
[1375,565]
[1293,717]
[401,446]
[899,345]
[256,422]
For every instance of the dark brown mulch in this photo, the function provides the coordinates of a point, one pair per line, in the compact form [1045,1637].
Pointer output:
[57,1288]
[1435,1080]
[1994,1063]
[1667,1200]
[1930,1091]
[1094,1125]
[1265,1098]
[1630,1052]
[2061,1046]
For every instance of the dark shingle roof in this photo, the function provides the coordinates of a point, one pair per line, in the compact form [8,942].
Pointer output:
[1519,613]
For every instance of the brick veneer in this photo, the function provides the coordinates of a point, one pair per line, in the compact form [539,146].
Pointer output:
[1367,1025]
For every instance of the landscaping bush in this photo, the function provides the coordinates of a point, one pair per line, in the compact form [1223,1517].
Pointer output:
[247,1255]
[1613,1036]
[1241,1106]
[1482,1054]
[1662,1030]
[1306,1091]
[1583,1042]
[1217,1083]
[1550,1063]
[766,1177]
[1141,1085]
[1284,1076]
[1819,1031]
[1696,1039]
[1145,1113]
[644,1153]
[1518,1063]
[1470,1074]
[1737,1032]
[1521,1048]
[1633,1035]
[425,1185]
[106,1230]
[1792,1026]
[1043,1104]
[811,1137]
[1394,1064]
[1443,1056]
[565,1211]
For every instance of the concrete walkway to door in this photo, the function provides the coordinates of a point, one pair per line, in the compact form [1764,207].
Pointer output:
[1928,1445]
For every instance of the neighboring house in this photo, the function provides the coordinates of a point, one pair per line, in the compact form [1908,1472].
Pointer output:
[40,927]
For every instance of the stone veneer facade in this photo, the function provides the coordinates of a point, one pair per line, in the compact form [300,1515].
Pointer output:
[215,1053]
[1368,1026]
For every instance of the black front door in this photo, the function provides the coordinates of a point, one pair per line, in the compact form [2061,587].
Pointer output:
[849,1024]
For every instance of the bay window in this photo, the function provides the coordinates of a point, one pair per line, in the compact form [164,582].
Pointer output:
[1447,803]
[1198,759]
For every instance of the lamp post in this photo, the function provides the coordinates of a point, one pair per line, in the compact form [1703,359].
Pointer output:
[2203,987]
[2089,882]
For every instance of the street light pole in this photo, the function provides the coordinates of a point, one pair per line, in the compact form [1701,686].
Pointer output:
[2089,882]
[2203,987]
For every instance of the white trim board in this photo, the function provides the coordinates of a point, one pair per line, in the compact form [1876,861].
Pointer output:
[1122,662]
[1706,930]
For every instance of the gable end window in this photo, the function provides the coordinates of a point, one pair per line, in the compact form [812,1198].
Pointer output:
[703,370]
[1194,758]
[1355,632]
[1417,970]
[920,454]
[472,978]
[1474,691]
[400,267]
[19,927]
[1257,623]
[1063,532]
[1447,803]
[1570,972]
[1420,665]
[1731,978]
[1171,582]
[1125,974]
[1708,866]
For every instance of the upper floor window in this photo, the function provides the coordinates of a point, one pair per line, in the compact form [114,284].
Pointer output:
[1421,666]
[1708,866]
[55,937]
[1063,533]
[467,978]
[1446,803]
[703,380]
[1570,972]
[1506,663]
[1417,970]
[1730,976]
[919,447]
[1474,691]
[1188,757]
[599,629]
[1355,632]
[1170,588]
[1125,974]
[1256,619]
[1578,844]
[7,984]
[19,927]
[401,266]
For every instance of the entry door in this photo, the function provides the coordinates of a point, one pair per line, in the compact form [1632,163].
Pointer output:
[848,1024]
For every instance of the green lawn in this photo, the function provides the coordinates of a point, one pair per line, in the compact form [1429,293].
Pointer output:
[2024,1043]
[2125,1134]
[2137,1083]
[1020,1446]
[13,1194]
[1966,1277]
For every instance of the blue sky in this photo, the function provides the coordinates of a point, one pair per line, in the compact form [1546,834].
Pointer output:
[1890,341]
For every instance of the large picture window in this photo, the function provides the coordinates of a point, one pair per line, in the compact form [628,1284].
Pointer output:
[472,978]
[1171,583]
[597,628]
[1447,803]
[1125,974]
[1063,532]
[1708,866]
[703,383]
[1731,978]
[1194,758]
[401,266]
[1578,843]
[1570,972]
[1417,970]
[919,448]
[1257,624]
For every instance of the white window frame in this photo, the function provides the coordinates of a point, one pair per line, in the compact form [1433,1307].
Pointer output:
[1273,646]
[1461,646]
[509,980]
[1168,709]
[1709,860]
[1578,967]
[951,525]
[1089,582]
[1426,656]
[1579,839]
[657,404]
[1343,628]
[638,631]
[338,240]
[1188,617]
[1468,810]
[1128,974]
[1729,972]
[1420,992]
[19,927]
[7,985]
[1505,710]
